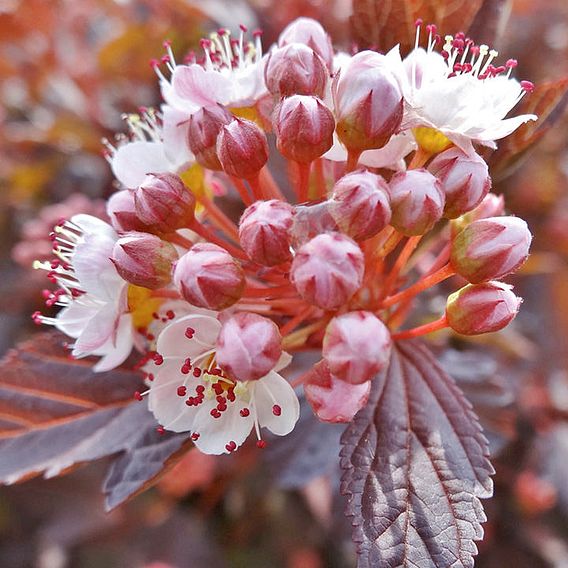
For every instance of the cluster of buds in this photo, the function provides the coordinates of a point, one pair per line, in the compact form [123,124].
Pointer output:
[381,204]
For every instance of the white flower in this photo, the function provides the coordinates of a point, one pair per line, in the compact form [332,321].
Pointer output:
[459,92]
[93,295]
[157,144]
[189,393]
[231,75]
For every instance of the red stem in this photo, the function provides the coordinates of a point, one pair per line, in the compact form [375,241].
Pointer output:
[435,325]
[242,189]
[352,159]
[303,182]
[402,259]
[209,235]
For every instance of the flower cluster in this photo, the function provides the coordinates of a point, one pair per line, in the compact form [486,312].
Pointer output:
[386,197]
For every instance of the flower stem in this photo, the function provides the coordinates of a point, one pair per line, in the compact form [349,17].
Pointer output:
[297,338]
[242,189]
[352,159]
[254,292]
[422,284]
[435,325]
[209,235]
[296,320]
[303,182]
[269,185]
[219,218]
[402,259]
[420,157]
[321,188]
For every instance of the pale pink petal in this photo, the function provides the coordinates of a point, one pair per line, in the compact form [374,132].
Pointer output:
[133,160]
[173,342]
[164,402]
[72,319]
[504,127]
[98,330]
[194,87]
[271,390]
[216,433]
[117,349]
[175,126]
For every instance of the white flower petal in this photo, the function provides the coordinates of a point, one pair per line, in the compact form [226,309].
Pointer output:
[173,342]
[216,433]
[134,160]
[101,328]
[118,348]
[275,389]
[175,126]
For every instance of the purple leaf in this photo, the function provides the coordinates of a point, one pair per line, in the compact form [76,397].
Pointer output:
[415,466]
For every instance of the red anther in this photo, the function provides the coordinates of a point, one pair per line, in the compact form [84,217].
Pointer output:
[222,407]
[511,63]
[154,63]
[165,59]
[221,399]
[418,22]
[200,389]
[460,35]
[527,86]
[276,410]
[161,430]
[167,43]
[150,377]
[46,293]
[189,332]
[170,314]
[195,436]
[458,67]
[218,388]
[196,372]
[52,236]
[231,446]
[217,372]
[190,401]
[155,315]
[467,67]
[185,369]
[257,33]
[231,395]
[36,317]
[181,391]
[215,413]
[243,28]
[138,395]
[221,31]
[444,54]
[432,29]
[261,444]
[244,412]
[150,337]
[158,359]
[188,362]
[142,109]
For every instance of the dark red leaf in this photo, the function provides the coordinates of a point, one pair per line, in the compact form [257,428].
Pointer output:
[384,23]
[548,101]
[490,21]
[57,413]
[416,465]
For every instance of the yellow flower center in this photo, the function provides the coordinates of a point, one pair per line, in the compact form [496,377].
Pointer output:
[431,140]
[142,305]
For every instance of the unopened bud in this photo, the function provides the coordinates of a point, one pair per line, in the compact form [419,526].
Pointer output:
[144,259]
[464,179]
[490,248]
[368,102]
[164,203]
[122,212]
[295,69]
[356,346]
[203,130]
[304,128]
[242,148]
[248,346]
[328,270]
[332,399]
[417,201]
[207,276]
[263,232]
[491,206]
[481,308]
[311,33]
[360,204]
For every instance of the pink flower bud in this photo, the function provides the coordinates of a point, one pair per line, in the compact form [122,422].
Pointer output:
[491,206]
[295,69]
[207,276]
[356,346]
[310,220]
[368,102]
[263,232]
[164,203]
[464,179]
[332,399]
[328,270]
[490,248]
[242,148]
[311,33]
[481,308]
[203,130]
[417,201]
[144,259]
[360,204]
[122,212]
[248,346]
[304,128]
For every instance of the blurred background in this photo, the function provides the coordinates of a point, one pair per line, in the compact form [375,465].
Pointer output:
[68,71]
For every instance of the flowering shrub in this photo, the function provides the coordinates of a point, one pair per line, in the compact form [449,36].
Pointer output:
[386,198]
